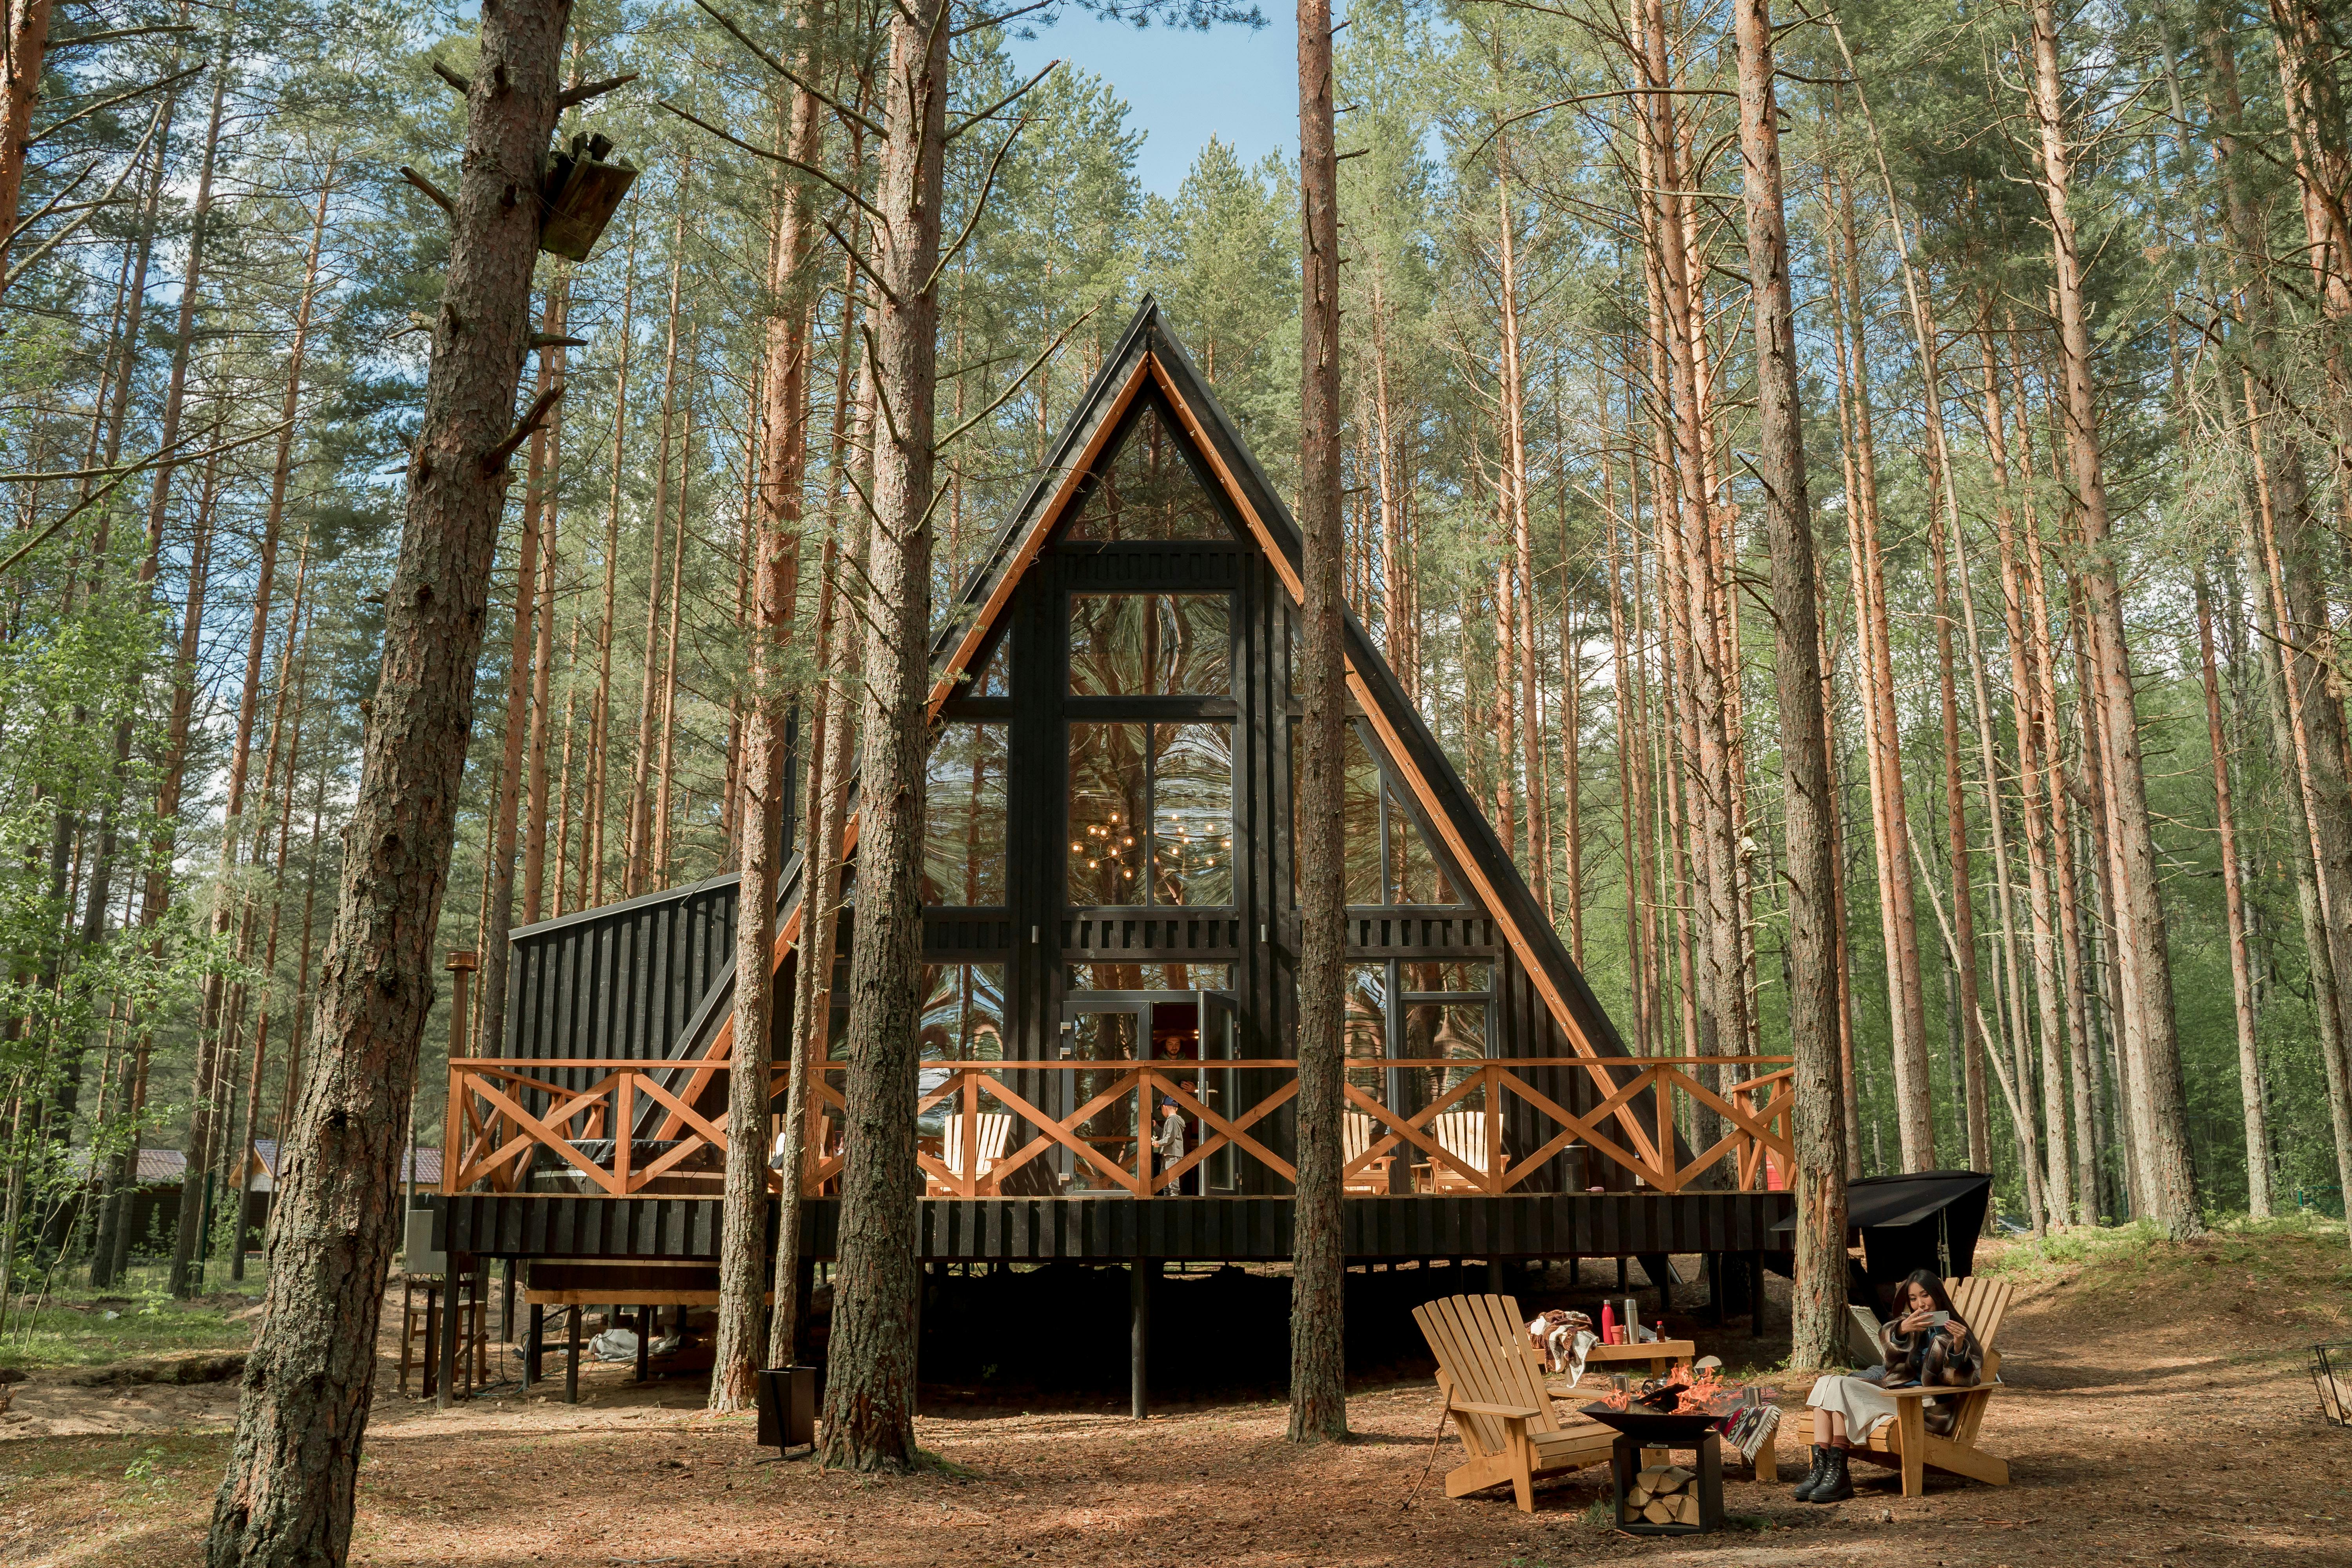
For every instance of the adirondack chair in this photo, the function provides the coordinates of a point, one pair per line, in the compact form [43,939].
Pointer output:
[1354,1137]
[1905,1443]
[1491,1379]
[995,1130]
[1462,1134]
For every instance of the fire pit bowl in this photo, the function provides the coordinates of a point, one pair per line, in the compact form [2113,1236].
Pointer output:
[1656,1428]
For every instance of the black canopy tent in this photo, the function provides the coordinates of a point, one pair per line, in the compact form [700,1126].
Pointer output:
[1925,1219]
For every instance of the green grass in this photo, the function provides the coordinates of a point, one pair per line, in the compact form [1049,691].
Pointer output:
[72,1329]
[2303,1249]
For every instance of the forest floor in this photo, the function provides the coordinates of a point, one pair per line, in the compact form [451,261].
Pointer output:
[2158,1407]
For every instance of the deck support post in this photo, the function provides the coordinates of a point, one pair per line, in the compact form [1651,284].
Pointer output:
[507,1301]
[1715,1289]
[1494,1277]
[1138,1306]
[1756,1294]
[1621,1281]
[533,1349]
[571,1358]
[446,1351]
[644,1344]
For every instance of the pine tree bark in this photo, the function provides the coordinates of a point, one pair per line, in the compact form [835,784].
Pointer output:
[543,492]
[29,38]
[1914,1114]
[201,1108]
[869,1396]
[664,817]
[506,800]
[1818,1328]
[828,785]
[743,1333]
[288,1493]
[1964,898]
[1318,1407]
[2233,901]
[637,873]
[600,713]
[2143,934]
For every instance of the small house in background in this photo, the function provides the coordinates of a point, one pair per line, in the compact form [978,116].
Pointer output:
[157,1174]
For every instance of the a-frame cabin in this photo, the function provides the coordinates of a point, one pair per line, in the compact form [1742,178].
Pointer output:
[1109,844]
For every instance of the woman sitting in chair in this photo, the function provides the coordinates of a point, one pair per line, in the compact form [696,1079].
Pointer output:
[1927,1344]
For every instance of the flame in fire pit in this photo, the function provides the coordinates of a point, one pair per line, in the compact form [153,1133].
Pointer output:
[1709,1391]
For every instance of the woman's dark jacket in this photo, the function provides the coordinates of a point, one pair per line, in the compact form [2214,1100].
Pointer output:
[1931,1359]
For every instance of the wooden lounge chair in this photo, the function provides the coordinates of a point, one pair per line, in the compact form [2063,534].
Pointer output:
[1491,1379]
[1462,1134]
[1354,1137]
[1906,1443]
[994,1131]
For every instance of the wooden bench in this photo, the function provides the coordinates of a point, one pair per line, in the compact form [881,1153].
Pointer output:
[1491,1381]
[1905,1443]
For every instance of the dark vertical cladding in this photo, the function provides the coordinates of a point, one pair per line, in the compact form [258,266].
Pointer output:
[620,983]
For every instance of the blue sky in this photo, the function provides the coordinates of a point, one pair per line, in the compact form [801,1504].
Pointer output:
[1182,88]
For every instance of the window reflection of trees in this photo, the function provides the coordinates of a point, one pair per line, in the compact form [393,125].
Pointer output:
[961,1020]
[1385,858]
[1148,491]
[963,817]
[1150,645]
[1151,815]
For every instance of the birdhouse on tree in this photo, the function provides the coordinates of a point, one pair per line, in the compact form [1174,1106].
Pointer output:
[577,193]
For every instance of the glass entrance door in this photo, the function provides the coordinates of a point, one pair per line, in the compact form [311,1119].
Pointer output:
[1179,1032]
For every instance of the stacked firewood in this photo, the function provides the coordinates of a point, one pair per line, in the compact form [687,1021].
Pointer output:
[1663,1494]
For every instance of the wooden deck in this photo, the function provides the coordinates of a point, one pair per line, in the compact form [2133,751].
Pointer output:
[1111,1229]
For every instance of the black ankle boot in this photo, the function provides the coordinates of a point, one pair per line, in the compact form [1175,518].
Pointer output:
[1804,1492]
[1837,1485]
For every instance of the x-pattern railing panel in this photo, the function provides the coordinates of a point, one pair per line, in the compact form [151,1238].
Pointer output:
[496,1132]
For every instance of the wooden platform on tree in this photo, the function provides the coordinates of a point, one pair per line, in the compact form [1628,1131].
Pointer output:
[1113,1229]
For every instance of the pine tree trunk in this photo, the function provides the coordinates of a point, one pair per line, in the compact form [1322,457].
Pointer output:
[743,1334]
[506,800]
[869,1396]
[828,783]
[637,872]
[269,946]
[2233,900]
[665,767]
[1318,1407]
[544,494]
[202,1093]
[1964,898]
[600,716]
[29,36]
[288,1493]
[1818,1328]
[2144,934]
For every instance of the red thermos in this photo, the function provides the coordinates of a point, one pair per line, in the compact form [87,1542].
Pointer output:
[1608,1324]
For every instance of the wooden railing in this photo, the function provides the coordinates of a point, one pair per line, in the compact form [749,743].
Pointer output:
[1086,1125]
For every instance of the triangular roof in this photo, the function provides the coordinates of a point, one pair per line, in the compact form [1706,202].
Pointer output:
[1148,353]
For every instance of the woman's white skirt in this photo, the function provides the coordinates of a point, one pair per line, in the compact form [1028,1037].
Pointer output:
[1856,1399]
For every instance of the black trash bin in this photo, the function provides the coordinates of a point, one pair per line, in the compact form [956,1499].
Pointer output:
[787,1408]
